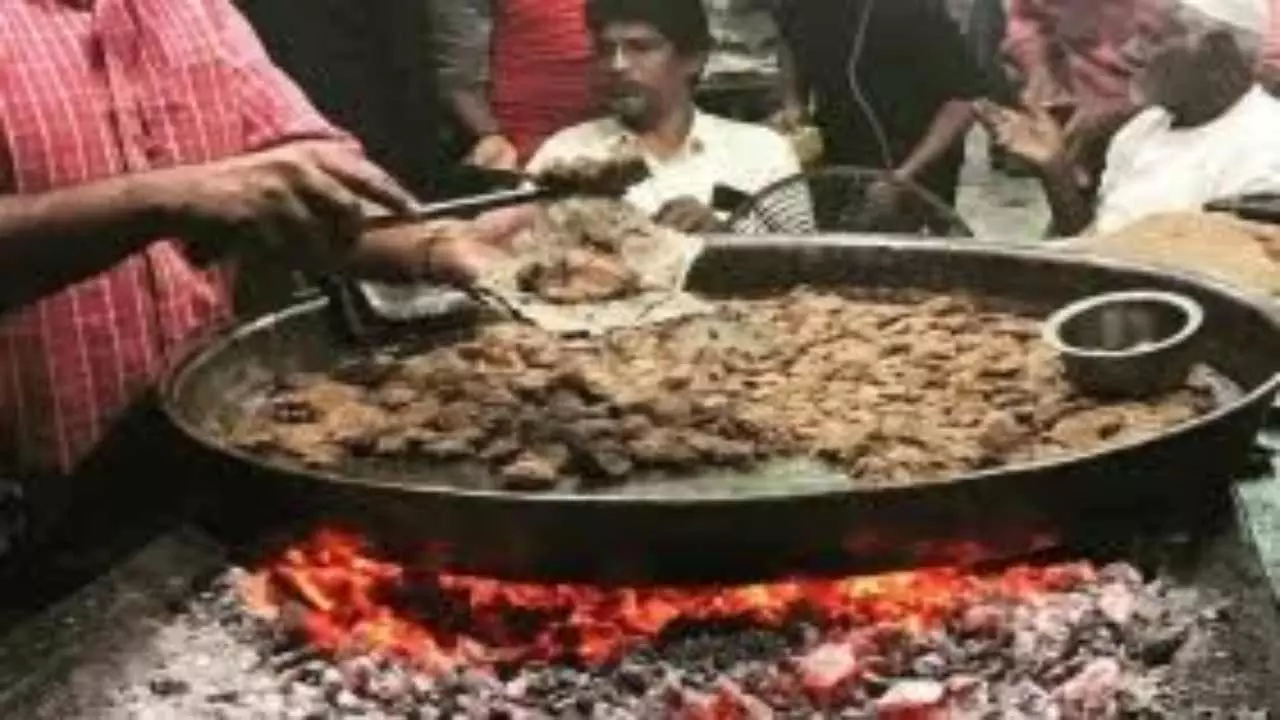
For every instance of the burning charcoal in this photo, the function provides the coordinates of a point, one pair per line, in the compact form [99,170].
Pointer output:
[930,665]
[332,681]
[913,700]
[1117,604]
[1159,645]
[390,687]
[165,686]
[224,697]
[984,619]
[635,678]
[1025,699]
[1092,693]
[736,703]
[1123,574]
[967,696]
[825,669]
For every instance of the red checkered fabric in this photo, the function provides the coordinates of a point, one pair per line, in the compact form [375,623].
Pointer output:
[97,88]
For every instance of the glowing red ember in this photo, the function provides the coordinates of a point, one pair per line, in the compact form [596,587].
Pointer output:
[350,601]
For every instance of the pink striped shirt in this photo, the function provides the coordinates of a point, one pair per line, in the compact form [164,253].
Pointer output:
[1082,41]
[96,88]
[1270,59]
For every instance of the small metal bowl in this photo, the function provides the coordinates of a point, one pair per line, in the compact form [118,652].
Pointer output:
[1127,344]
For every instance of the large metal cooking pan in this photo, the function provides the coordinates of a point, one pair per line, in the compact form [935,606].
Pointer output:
[743,533]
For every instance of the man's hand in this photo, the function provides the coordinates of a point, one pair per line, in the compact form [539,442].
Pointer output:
[494,152]
[1091,126]
[307,198]
[1033,136]
[687,215]
[457,252]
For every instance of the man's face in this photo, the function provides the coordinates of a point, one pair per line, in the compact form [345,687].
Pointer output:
[1174,63]
[642,74]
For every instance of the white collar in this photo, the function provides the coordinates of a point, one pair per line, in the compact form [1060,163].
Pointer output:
[695,143]
[1252,97]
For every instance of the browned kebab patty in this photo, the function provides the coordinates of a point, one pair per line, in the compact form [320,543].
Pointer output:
[577,255]
[609,177]
[893,389]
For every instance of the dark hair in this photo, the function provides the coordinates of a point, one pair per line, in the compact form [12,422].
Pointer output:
[682,22]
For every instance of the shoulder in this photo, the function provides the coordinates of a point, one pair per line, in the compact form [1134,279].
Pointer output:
[750,137]
[1149,122]
[752,156]
[1265,107]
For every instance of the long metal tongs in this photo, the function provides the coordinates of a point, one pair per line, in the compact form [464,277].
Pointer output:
[352,316]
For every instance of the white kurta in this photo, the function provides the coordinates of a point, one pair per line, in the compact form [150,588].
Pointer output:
[718,151]
[1154,167]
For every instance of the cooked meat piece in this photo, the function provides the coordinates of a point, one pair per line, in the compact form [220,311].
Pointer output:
[255,434]
[662,447]
[310,444]
[500,449]
[442,446]
[356,426]
[395,396]
[1000,433]
[607,460]
[611,177]
[293,409]
[579,276]
[892,388]
[531,383]
[531,472]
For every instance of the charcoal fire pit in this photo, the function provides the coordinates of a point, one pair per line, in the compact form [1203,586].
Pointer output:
[751,535]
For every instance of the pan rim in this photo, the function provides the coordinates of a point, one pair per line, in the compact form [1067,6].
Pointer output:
[199,353]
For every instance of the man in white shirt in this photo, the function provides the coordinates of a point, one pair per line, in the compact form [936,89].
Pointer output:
[1209,132]
[650,56]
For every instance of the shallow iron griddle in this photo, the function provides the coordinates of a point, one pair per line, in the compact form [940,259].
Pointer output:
[747,526]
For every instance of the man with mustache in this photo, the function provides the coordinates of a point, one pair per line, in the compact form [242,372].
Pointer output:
[649,57]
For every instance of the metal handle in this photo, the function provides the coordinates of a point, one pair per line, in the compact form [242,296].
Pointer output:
[347,316]
[465,207]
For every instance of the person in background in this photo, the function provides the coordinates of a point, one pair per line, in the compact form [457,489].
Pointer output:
[514,72]
[1068,58]
[649,56]
[366,68]
[148,143]
[1269,62]
[1209,132]
[891,84]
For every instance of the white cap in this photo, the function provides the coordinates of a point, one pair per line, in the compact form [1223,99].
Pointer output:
[1251,15]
